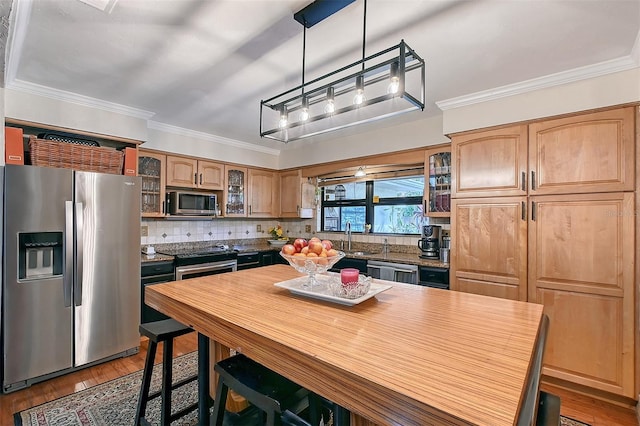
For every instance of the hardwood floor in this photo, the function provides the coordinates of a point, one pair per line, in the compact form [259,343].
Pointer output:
[579,407]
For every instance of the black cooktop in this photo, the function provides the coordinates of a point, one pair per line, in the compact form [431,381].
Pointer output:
[194,256]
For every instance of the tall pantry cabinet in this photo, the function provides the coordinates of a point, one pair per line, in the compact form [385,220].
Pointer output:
[544,212]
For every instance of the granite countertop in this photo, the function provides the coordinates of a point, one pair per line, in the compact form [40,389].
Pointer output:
[407,258]
[393,256]
[145,258]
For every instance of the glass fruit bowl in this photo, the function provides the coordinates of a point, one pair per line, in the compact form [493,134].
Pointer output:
[312,265]
[350,290]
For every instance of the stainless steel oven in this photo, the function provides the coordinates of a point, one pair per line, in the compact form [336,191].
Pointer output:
[200,262]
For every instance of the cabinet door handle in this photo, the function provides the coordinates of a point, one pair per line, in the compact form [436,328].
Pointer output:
[195,178]
[424,208]
[533,180]
[523,184]
[523,205]
[163,207]
[200,178]
[249,208]
[533,211]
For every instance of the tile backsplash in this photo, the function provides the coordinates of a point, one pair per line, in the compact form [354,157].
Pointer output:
[217,230]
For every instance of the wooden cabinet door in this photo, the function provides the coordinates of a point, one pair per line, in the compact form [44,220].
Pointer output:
[489,163]
[489,247]
[263,193]
[581,269]
[437,183]
[182,171]
[210,175]
[581,154]
[151,168]
[290,193]
[235,195]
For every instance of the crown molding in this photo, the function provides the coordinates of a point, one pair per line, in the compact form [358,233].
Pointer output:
[61,95]
[209,137]
[590,71]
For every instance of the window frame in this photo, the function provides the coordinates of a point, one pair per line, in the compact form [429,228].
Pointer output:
[369,205]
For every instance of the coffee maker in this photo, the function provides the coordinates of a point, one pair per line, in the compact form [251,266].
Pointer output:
[430,242]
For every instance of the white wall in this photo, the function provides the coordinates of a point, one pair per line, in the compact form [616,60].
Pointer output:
[2,162]
[612,89]
[414,134]
[207,146]
[40,109]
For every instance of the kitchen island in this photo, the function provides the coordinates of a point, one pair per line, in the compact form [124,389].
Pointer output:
[409,356]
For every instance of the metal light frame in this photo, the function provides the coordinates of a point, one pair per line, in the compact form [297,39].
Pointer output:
[372,71]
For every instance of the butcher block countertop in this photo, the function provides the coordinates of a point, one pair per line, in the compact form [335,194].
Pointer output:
[411,355]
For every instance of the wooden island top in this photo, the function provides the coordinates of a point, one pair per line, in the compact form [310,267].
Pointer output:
[411,355]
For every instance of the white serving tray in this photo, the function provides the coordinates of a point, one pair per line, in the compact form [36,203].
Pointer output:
[321,289]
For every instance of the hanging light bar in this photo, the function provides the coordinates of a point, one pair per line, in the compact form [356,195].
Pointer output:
[385,84]
[330,97]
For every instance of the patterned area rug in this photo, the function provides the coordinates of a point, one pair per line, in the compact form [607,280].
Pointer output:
[114,403]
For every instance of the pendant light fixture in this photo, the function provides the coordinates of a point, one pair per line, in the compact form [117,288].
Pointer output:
[377,86]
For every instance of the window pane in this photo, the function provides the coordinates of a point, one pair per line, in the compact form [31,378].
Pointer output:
[397,219]
[336,218]
[399,187]
[345,191]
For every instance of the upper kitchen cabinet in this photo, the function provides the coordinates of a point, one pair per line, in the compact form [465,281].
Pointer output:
[489,163]
[263,193]
[235,196]
[437,182]
[584,153]
[151,168]
[297,196]
[186,172]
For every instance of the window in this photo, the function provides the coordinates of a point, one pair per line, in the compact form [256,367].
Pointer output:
[391,206]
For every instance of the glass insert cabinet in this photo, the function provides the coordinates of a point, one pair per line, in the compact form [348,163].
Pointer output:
[236,200]
[437,194]
[151,168]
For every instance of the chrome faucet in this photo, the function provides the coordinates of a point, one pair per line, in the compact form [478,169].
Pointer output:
[348,232]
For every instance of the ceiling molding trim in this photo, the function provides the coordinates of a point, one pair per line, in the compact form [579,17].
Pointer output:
[181,131]
[18,33]
[590,71]
[87,101]
[635,51]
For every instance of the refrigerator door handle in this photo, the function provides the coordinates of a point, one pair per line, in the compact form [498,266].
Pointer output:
[77,290]
[67,282]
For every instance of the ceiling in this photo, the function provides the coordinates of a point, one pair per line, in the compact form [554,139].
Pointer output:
[204,65]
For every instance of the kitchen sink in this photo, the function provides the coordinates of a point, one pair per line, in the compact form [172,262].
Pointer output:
[358,253]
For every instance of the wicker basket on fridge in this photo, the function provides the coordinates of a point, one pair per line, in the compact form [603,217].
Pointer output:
[50,153]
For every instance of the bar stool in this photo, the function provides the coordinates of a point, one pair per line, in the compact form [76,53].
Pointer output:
[265,389]
[161,332]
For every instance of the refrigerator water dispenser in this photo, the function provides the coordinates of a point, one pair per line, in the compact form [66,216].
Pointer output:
[39,255]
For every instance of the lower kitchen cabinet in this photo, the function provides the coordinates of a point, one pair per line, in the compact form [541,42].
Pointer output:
[489,247]
[581,260]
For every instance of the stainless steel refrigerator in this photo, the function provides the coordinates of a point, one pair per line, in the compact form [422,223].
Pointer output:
[70,293]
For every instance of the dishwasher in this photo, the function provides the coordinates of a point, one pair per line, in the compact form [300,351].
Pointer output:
[398,272]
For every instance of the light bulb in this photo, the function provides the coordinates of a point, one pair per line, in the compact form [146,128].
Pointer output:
[394,80]
[359,98]
[330,107]
[304,112]
[284,118]
[394,86]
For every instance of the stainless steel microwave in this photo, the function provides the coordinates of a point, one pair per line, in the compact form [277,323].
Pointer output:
[192,203]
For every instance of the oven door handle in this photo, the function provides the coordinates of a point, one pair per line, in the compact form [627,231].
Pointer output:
[206,267]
